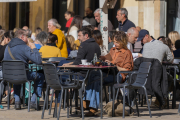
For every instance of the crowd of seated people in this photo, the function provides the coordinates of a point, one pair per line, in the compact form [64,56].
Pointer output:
[82,41]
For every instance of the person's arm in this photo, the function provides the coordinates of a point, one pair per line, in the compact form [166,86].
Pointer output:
[80,55]
[60,37]
[33,54]
[170,55]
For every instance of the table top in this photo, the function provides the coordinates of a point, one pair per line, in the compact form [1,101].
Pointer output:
[85,67]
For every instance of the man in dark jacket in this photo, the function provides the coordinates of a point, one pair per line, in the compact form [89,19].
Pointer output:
[90,17]
[20,51]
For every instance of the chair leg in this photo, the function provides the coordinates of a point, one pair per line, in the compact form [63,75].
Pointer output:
[73,95]
[113,102]
[82,110]
[51,101]
[147,102]
[117,93]
[179,109]
[23,97]
[62,91]
[105,94]
[1,90]
[47,101]
[8,101]
[123,101]
[29,96]
[67,101]
[44,102]
[142,100]
[65,96]
[55,107]
[151,100]
[109,93]
[71,101]
[136,104]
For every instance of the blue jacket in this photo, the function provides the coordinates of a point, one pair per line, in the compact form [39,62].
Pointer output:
[22,52]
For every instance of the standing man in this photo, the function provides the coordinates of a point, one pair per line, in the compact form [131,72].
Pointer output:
[133,34]
[98,18]
[89,17]
[124,23]
[54,28]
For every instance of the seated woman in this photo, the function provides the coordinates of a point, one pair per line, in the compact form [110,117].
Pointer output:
[122,59]
[50,50]
[98,38]
[71,46]
[177,51]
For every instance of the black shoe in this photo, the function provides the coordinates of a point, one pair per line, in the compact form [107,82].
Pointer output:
[17,105]
[33,105]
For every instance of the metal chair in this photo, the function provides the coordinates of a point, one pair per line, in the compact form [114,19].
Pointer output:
[140,82]
[14,72]
[53,81]
[56,58]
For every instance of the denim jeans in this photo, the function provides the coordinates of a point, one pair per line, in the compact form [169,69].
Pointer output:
[64,77]
[93,87]
[38,82]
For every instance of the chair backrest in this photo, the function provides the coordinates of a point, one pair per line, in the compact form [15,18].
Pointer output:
[177,61]
[51,76]
[57,58]
[14,71]
[144,69]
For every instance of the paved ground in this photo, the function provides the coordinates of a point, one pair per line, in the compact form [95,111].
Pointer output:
[166,114]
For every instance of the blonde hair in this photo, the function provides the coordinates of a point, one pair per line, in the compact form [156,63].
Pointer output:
[174,35]
[70,42]
[55,23]
[1,34]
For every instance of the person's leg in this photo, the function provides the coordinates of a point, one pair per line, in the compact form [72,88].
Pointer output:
[38,84]
[17,89]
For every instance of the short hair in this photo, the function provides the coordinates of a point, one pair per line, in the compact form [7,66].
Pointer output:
[9,34]
[52,37]
[85,31]
[177,44]
[91,28]
[132,30]
[69,13]
[124,11]
[55,23]
[121,37]
[29,32]
[160,37]
[19,33]
[42,38]
[98,37]
[111,34]
[97,10]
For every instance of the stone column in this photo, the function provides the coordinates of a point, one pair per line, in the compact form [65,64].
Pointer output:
[4,15]
[40,13]
[70,5]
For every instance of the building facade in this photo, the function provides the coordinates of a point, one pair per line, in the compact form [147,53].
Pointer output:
[158,16]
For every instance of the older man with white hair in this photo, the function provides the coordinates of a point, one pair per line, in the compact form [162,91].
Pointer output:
[98,19]
[54,28]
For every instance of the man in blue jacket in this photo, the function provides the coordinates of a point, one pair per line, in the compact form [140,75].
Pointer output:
[21,51]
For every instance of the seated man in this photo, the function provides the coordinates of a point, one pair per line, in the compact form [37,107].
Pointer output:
[133,34]
[20,51]
[86,51]
[122,59]
[154,48]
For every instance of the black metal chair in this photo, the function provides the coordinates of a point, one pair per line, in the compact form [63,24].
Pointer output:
[140,82]
[14,72]
[53,81]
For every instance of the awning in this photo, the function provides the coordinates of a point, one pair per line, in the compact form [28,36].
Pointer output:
[17,0]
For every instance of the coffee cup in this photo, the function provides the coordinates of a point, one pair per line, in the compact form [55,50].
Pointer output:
[84,61]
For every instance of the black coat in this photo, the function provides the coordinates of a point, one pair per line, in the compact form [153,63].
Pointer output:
[157,83]
[87,50]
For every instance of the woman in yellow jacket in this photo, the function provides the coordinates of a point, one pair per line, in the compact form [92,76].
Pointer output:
[54,28]
[50,50]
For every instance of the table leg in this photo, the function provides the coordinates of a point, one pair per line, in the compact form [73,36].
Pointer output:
[101,93]
[174,90]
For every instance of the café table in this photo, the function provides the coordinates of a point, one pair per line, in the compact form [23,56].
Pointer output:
[174,67]
[91,67]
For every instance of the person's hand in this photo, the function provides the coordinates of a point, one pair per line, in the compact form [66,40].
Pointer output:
[31,45]
[139,55]
[109,62]
[95,28]
[5,41]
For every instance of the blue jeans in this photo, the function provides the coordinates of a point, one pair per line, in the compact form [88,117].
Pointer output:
[39,84]
[64,77]
[93,87]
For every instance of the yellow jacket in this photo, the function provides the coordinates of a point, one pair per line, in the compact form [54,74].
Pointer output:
[61,44]
[50,51]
